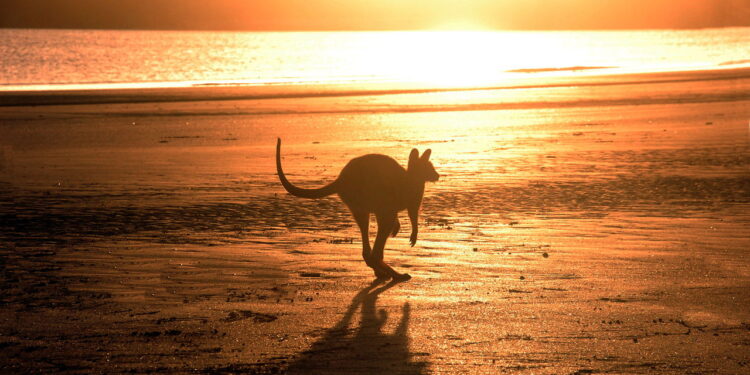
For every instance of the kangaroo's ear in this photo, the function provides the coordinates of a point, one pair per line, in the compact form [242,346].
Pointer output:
[414,155]
[426,154]
[413,158]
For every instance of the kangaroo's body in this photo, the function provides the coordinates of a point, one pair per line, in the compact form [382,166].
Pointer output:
[376,184]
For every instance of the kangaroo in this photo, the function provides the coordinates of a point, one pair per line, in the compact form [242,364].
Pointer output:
[376,184]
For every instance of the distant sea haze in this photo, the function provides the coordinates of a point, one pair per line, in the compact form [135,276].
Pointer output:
[63,59]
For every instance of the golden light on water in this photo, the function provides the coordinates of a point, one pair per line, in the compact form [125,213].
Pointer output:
[437,58]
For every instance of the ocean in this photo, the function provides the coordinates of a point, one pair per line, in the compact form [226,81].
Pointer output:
[70,59]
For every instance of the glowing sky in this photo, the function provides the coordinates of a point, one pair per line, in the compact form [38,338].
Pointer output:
[374,15]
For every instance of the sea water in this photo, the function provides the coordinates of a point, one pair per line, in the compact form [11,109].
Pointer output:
[64,59]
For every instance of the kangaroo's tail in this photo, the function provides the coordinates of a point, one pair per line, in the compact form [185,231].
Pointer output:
[300,192]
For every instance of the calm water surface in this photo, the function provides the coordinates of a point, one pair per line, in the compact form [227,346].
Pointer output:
[40,58]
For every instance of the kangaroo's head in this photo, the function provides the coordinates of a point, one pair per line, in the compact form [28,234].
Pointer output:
[421,167]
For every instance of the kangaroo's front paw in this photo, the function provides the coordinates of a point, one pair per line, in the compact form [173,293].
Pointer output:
[413,239]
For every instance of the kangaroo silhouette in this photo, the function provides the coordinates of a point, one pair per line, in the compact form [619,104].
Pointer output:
[376,184]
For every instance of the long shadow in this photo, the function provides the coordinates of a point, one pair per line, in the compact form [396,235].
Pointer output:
[364,349]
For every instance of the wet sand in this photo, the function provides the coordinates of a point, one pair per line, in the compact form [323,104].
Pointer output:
[576,229]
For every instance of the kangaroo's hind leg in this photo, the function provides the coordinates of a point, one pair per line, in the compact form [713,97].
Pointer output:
[363,221]
[386,223]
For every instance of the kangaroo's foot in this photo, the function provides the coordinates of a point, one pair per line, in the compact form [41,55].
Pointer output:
[401,277]
[393,274]
[381,274]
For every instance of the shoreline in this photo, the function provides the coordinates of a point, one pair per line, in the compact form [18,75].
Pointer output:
[221,92]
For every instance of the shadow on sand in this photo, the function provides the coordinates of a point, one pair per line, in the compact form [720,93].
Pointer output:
[364,349]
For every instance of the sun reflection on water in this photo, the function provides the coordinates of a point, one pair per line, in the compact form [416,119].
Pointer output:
[473,58]
[446,58]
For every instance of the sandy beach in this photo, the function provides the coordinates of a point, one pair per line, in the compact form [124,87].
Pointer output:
[595,227]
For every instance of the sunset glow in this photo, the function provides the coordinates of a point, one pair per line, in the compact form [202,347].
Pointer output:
[305,15]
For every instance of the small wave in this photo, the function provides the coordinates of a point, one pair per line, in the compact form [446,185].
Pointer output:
[735,62]
[565,69]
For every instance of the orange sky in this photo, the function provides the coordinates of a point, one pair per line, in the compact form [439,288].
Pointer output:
[374,15]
